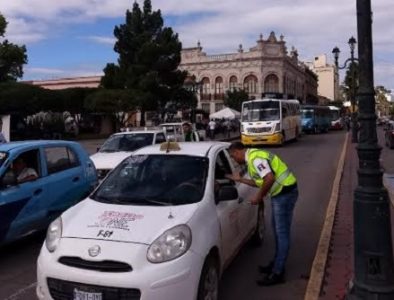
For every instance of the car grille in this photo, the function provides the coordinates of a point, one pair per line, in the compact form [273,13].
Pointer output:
[258,129]
[64,290]
[101,266]
[101,173]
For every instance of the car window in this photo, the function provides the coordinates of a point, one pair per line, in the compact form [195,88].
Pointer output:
[23,168]
[155,180]
[59,159]
[160,138]
[127,142]
[3,157]
[222,166]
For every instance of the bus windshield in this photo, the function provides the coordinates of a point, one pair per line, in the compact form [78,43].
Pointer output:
[307,113]
[260,111]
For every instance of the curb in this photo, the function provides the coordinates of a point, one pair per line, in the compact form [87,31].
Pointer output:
[319,263]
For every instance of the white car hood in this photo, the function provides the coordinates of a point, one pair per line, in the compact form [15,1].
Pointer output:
[138,224]
[108,161]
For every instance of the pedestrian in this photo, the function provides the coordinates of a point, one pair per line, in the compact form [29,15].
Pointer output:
[212,127]
[273,178]
[2,137]
[189,134]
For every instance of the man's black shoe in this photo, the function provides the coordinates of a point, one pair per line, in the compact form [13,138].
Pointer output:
[272,279]
[266,269]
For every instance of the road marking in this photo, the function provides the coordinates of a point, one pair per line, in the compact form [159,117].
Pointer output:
[319,263]
[21,291]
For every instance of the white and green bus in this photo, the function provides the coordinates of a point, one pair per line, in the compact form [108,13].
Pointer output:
[270,121]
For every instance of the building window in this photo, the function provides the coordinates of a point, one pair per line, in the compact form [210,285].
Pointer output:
[233,83]
[271,84]
[250,84]
[206,89]
[218,106]
[205,107]
[219,86]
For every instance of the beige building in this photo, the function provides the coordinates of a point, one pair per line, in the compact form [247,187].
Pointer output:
[65,83]
[265,69]
[328,78]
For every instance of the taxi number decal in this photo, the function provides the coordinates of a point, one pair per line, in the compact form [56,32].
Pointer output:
[104,233]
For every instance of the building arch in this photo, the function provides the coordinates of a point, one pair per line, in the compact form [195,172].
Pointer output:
[219,86]
[250,84]
[271,83]
[233,83]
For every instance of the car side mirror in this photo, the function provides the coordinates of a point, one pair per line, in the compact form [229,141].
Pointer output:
[227,193]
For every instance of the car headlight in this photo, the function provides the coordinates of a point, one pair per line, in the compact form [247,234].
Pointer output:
[54,234]
[171,244]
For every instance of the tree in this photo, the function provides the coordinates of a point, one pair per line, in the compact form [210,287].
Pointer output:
[12,57]
[351,79]
[234,99]
[149,56]
[382,103]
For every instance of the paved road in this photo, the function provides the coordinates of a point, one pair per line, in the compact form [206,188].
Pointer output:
[314,160]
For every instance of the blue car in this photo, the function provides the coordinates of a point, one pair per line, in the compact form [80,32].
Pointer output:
[38,181]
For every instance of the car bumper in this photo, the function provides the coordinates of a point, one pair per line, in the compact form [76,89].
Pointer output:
[271,139]
[177,279]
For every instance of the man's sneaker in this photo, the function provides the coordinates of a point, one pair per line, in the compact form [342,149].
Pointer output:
[266,269]
[272,279]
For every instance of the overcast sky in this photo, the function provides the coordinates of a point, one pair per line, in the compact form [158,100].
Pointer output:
[66,38]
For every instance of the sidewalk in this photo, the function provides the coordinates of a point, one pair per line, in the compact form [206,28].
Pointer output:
[337,270]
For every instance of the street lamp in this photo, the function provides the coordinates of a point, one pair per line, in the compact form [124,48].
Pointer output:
[373,251]
[352,44]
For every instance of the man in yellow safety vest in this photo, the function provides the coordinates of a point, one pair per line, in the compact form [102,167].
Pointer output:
[273,178]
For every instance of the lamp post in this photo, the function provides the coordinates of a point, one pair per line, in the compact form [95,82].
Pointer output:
[373,252]
[352,44]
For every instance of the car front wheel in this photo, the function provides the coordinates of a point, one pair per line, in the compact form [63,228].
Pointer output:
[208,288]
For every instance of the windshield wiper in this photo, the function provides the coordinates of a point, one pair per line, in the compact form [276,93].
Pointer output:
[154,201]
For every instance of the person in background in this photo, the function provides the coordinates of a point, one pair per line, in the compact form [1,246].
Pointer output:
[189,134]
[273,178]
[212,127]
[2,137]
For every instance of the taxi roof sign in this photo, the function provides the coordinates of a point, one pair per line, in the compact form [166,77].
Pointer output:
[169,146]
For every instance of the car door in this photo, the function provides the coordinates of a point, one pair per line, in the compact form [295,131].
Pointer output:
[247,212]
[19,202]
[65,178]
[228,211]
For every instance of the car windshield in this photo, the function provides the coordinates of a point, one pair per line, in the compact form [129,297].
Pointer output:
[260,111]
[307,113]
[3,157]
[127,142]
[155,180]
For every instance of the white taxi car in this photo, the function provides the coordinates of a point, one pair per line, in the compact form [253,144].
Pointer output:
[162,225]
[120,145]
[174,131]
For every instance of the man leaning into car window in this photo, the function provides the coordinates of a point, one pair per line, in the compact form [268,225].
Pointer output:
[22,172]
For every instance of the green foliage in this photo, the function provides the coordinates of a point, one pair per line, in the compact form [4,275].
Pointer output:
[234,99]
[12,57]
[351,79]
[149,56]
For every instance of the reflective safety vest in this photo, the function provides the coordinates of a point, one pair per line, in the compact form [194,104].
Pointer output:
[283,176]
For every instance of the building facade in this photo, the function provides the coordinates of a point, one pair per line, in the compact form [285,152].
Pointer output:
[266,68]
[327,76]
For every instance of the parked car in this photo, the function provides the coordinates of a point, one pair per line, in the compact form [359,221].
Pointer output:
[38,181]
[162,225]
[120,145]
[174,131]
[389,134]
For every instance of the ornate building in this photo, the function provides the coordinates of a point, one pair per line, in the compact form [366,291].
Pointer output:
[266,68]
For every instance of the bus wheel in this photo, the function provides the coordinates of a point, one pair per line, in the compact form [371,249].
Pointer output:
[282,139]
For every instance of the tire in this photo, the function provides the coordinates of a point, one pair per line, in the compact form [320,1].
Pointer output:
[258,235]
[208,287]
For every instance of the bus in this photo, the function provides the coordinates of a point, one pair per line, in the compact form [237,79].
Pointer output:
[270,121]
[315,118]
[335,117]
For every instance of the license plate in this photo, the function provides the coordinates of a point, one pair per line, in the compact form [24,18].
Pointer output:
[81,295]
